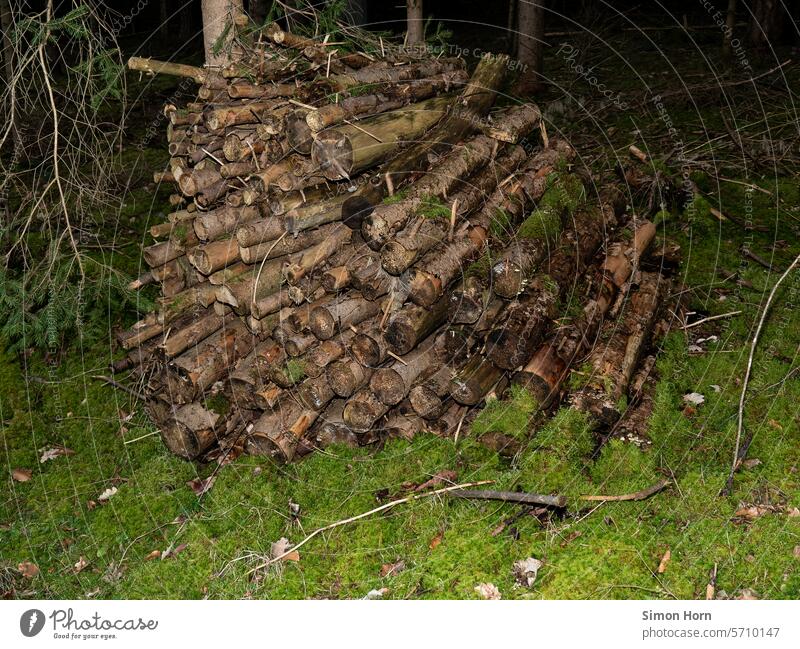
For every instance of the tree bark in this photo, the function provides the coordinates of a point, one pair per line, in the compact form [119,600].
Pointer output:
[218,21]
[530,44]
[415,23]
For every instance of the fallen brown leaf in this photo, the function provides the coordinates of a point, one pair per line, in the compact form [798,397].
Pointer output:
[446,476]
[797,551]
[201,486]
[80,564]
[570,538]
[794,512]
[662,566]
[21,475]
[28,570]
[774,424]
[53,452]
[392,569]
[155,554]
[168,554]
[436,541]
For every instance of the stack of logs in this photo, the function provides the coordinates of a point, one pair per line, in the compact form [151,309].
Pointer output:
[359,250]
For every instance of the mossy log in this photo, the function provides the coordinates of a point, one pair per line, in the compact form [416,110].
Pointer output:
[390,98]
[452,170]
[425,233]
[343,151]
[613,363]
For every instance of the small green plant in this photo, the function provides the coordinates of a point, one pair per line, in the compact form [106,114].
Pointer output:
[397,197]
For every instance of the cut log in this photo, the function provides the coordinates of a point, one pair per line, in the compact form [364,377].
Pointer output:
[346,376]
[412,324]
[514,123]
[392,384]
[285,245]
[338,236]
[179,341]
[327,320]
[475,381]
[215,255]
[191,431]
[362,410]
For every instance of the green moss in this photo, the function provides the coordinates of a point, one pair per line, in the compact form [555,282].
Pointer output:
[295,370]
[219,404]
[481,267]
[179,233]
[508,416]
[501,225]
[543,223]
[433,207]
[565,192]
[397,197]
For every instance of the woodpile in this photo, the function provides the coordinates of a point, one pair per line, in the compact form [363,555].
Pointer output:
[359,249]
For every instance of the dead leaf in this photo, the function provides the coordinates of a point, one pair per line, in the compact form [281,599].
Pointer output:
[750,512]
[570,538]
[155,554]
[662,566]
[752,463]
[747,593]
[392,569]
[91,504]
[526,571]
[442,477]
[28,570]
[794,512]
[280,549]
[797,551]
[436,541]
[108,493]
[774,424]
[710,591]
[80,564]
[53,452]
[488,591]
[169,553]
[377,593]
[694,398]
[201,486]
[21,475]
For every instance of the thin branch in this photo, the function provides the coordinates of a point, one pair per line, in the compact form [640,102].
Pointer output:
[377,510]
[737,457]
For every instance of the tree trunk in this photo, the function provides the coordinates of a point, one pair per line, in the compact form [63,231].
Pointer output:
[730,22]
[218,17]
[766,23]
[415,23]
[530,44]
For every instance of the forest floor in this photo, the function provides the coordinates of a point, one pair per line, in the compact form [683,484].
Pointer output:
[85,543]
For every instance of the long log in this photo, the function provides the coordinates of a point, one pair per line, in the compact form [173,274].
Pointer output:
[475,380]
[327,320]
[420,236]
[343,151]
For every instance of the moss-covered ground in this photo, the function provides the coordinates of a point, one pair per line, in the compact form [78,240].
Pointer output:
[57,521]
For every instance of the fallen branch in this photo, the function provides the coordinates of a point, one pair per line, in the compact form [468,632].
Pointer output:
[644,494]
[352,519]
[710,318]
[739,452]
[517,497]
[116,384]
